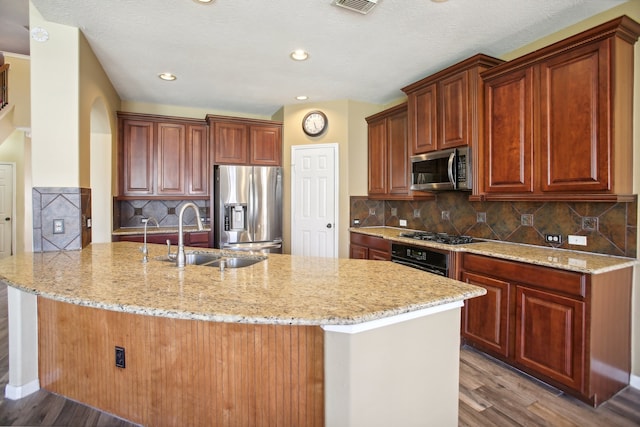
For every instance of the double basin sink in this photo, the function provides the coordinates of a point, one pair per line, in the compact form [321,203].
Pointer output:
[210,259]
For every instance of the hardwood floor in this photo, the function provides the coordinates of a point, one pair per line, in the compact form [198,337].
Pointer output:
[491,394]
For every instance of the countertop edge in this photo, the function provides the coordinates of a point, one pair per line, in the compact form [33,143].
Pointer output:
[225,318]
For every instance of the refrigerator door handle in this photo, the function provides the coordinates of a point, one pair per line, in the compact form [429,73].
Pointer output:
[253,246]
[250,206]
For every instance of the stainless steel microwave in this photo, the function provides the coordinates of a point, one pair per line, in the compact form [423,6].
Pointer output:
[442,170]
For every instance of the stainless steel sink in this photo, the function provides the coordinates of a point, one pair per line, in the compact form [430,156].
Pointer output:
[194,258]
[209,259]
[235,262]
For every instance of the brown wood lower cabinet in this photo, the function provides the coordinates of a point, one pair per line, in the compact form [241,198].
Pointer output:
[570,329]
[364,246]
[199,239]
[182,372]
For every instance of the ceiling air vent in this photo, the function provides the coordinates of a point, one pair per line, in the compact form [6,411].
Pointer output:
[362,6]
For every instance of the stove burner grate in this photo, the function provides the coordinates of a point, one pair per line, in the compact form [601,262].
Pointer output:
[449,239]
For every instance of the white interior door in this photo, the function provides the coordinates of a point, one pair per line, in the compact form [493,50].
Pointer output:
[314,205]
[6,210]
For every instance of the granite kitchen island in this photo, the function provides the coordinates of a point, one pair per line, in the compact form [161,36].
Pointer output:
[286,341]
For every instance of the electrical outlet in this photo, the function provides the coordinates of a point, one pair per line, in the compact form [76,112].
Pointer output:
[356,221]
[120,362]
[416,213]
[58,226]
[578,240]
[553,238]
[403,223]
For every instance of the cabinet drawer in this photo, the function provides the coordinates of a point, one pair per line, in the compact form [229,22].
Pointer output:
[566,282]
[371,242]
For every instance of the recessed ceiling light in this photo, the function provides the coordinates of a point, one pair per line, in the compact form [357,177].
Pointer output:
[439,1]
[39,34]
[302,97]
[299,55]
[167,76]
[203,1]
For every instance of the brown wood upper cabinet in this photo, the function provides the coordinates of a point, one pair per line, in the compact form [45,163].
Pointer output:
[388,153]
[241,141]
[445,109]
[559,120]
[162,157]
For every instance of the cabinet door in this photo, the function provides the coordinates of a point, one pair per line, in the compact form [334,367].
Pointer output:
[550,336]
[398,154]
[575,103]
[508,159]
[485,320]
[197,179]
[358,252]
[231,143]
[423,119]
[266,145]
[454,126]
[137,158]
[378,157]
[171,147]
[378,255]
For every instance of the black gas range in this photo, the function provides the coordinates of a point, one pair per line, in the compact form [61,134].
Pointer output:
[445,238]
[433,260]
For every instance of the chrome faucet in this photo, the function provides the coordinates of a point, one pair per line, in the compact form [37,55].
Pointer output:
[144,249]
[181,258]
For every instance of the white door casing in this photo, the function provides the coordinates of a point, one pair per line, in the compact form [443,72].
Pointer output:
[7,213]
[314,203]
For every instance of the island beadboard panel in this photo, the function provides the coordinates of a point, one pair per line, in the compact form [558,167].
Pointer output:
[182,372]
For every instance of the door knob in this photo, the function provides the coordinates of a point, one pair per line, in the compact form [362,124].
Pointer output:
[329,225]
[7,218]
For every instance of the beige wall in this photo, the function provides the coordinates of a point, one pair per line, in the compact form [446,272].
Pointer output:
[54,105]
[348,129]
[19,93]
[99,102]
[174,110]
[15,148]
[631,9]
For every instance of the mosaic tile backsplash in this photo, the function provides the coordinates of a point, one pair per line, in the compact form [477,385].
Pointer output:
[610,228]
[60,218]
[129,213]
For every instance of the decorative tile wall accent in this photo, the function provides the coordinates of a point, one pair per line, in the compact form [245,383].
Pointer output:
[611,228]
[68,204]
[129,213]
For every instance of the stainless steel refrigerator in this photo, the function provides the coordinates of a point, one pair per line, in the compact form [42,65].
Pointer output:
[247,203]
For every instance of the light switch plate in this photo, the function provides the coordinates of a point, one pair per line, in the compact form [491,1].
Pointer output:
[403,223]
[578,240]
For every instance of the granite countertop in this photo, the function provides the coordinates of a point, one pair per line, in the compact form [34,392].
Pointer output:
[124,231]
[282,289]
[583,262]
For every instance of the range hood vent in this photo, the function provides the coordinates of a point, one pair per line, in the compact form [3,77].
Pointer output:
[362,6]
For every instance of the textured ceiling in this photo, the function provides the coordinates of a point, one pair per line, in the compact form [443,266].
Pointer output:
[233,55]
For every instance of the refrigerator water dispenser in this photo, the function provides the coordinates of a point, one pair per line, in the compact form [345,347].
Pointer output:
[235,218]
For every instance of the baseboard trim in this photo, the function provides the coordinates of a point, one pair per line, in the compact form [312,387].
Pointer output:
[635,381]
[13,392]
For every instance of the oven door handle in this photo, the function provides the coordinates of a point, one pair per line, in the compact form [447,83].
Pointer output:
[419,267]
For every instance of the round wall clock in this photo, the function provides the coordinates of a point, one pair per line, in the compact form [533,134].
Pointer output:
[314,123]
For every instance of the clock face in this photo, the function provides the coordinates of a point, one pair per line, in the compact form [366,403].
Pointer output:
[314,123]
